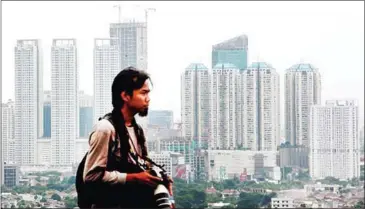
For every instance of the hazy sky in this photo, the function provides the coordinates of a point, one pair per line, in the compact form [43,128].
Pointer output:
[329,35]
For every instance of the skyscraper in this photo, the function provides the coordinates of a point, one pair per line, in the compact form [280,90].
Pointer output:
[233,51]
[65,109]
[333,140]
[223,113]
[28,99]
[47,126]
[261,107]
[161,118]
[302,89]
[195,103]
[7,132]
[106,67]
[131,39]
[85,114]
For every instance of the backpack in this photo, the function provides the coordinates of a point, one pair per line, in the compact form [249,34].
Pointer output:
[85,195]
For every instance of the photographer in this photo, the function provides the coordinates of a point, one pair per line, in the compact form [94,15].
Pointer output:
[117,145]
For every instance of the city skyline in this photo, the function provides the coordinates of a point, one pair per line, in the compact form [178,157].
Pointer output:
[314,43]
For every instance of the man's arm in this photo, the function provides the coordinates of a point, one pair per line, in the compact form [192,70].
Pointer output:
[96,160]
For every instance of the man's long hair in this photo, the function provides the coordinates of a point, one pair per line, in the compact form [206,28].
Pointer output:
[128,80]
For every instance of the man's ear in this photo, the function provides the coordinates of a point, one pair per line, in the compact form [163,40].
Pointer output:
[125,96]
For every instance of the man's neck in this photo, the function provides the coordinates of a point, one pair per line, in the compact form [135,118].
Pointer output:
[128,116]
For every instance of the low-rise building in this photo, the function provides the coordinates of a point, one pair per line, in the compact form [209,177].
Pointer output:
[311,188]
[281,203]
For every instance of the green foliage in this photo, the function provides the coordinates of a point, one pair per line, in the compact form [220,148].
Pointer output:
[43,199]
[70,202]
[22,189]
[360,204]
[56,197]
[254,200]
[333,180]
[54,180]
[189,195]
[214,197]
[303,176]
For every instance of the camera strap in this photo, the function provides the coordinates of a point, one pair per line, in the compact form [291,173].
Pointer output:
[136,157]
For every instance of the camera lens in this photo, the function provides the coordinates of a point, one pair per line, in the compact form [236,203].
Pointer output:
[161,195]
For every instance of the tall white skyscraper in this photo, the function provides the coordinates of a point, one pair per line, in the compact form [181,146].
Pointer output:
[131,39]
[302,89]
[65,110]
[7,132]
[261,107]
[195,103]
[106,67]
[28,99]
[333,140]
[223,115]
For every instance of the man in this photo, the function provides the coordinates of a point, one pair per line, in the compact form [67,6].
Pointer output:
[124,184]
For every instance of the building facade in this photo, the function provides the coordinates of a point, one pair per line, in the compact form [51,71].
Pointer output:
[302,90]
[7,132]
[334,143]
[195,104]
[227,164]
[233,51]
[223,112]
[28,110]
[106,67]
[260,122]
[65,102]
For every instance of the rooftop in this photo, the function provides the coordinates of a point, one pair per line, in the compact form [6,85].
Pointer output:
[238,42]
[303,67]
[196,66]
[260,65]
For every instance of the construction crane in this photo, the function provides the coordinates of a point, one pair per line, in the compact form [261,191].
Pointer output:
[119,12]
[146,12]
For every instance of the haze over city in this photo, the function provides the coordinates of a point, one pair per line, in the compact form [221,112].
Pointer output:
[329,35]
[253,104]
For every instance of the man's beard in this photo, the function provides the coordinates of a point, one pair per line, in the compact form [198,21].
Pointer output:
[143,113]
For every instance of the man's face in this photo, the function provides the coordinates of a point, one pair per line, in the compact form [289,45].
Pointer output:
[140,100]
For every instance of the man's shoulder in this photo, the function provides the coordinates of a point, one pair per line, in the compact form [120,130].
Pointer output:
[104,125]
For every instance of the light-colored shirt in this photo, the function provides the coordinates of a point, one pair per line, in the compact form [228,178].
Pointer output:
[103,136]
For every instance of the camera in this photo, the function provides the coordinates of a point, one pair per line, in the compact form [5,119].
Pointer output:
[161,193]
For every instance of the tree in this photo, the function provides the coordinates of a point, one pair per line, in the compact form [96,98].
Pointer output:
[359,204]
[56,197]
[43,199]
[72,180]
[54,180]
[213,198]
[254,200]
[70,202]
